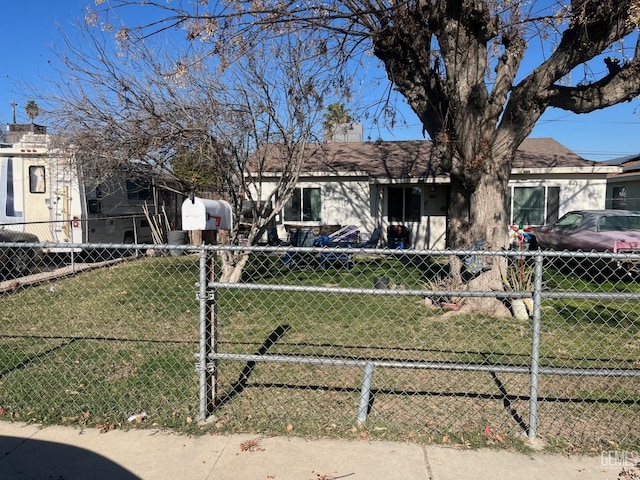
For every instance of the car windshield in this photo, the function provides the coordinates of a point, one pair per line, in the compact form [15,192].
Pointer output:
[618,223]
[570,220]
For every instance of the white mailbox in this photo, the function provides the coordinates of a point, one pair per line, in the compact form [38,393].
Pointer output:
[204,214]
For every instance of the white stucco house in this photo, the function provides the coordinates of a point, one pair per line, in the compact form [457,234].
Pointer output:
[372,184]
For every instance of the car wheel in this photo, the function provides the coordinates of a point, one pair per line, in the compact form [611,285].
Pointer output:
[20,261]
[128,240]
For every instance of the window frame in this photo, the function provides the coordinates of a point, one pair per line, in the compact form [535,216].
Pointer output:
[37,184]
[411,205]
[304,197]
[551,203]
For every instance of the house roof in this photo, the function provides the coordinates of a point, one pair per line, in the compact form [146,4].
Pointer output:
[547,153]
[622,160]
[629,168]
[412,158]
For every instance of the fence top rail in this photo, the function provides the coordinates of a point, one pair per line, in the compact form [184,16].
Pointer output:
[630,296]
[372,251]
[423,252]
[368,291]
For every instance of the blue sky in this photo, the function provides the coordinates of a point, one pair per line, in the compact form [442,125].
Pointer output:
[30,31]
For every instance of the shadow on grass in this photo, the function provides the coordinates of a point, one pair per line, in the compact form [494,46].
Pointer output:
[27,361]
[461,356]
[596,314]
[506,403]
[241,383]
[502,395]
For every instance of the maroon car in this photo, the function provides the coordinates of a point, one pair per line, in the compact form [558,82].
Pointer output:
[591,230]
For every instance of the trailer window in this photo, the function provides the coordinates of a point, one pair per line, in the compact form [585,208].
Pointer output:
[37,182]
[94,200]
[138,191]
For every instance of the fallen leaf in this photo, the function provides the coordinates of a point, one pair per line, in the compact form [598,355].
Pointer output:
[106,427]
[251,446]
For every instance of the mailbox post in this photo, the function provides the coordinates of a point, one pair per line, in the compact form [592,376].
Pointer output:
[207,217]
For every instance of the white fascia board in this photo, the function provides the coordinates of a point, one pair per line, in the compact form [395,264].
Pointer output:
[420,180]
[318,174]
[599,169]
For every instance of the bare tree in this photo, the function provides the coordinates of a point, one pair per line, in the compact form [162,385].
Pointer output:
[463,67]
[180,109]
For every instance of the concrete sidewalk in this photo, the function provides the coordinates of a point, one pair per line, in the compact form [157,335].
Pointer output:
[64,453]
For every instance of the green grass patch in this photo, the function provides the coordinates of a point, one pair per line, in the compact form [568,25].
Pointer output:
[94,348]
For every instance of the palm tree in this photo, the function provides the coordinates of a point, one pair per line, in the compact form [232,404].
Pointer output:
[32,110]
[336,114]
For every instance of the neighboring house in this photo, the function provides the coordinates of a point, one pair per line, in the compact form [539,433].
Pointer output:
[372,184]
[623,188]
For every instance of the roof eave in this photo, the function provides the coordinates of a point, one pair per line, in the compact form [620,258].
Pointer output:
[597,169]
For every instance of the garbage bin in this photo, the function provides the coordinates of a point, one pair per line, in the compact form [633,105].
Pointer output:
[177,237]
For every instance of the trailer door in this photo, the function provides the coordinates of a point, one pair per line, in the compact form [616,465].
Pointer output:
[36,208]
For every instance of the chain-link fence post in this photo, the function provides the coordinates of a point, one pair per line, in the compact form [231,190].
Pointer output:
[365,393]
[208,333]
[535,346]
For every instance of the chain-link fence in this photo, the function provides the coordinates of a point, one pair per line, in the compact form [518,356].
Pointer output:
[326,342]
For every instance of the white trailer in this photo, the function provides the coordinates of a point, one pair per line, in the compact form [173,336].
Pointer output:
[43,191]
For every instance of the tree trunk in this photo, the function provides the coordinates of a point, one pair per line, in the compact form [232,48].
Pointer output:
[478,212]
[233,264]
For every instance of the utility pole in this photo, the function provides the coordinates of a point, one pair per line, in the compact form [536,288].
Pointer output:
[13,110]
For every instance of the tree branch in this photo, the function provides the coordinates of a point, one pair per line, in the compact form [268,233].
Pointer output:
[620,87]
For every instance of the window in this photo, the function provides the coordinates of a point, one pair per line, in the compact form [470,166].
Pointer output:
[10,205]
[303,206]
[404,204]
[37,182]
[94,200]
[535,205]
[619,200]
[570,221]
[139,190]
[618,223]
